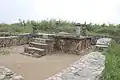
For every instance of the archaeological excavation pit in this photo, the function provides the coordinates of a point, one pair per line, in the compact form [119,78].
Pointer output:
[37,58]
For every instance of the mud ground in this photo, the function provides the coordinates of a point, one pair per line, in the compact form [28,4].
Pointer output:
[36,68]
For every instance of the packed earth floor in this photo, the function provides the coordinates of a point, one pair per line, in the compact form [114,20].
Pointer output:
[36,68]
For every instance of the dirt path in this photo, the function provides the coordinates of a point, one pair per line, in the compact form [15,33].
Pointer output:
[36,68]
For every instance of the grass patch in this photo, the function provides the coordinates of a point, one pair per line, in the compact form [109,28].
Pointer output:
[112,65]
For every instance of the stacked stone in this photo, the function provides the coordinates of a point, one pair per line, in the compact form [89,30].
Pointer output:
[14,40]
[7,74]
[78,45]
[89,67]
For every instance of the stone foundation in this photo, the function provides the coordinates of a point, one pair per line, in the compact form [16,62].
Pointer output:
[70,44]
[21,39]
[65,43]
[89,67]
[34,51]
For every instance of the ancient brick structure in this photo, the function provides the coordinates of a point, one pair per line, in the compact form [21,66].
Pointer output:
[47,43]
[70,44]
[21,39]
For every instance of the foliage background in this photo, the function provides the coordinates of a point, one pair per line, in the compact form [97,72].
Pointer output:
[56,26]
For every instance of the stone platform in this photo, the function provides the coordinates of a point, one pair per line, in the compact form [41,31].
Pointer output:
[71,44]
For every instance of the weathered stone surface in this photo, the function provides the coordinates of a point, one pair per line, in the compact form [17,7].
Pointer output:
[33,50]
[48,47]
[19,77]
[50,43]
[20,39]
[7,74]
[39,40]
[71,45]
[61,43]
[102,43]
[38,45]
[14,40]
[44,35]
[42,40]
[89,67]
[2,76]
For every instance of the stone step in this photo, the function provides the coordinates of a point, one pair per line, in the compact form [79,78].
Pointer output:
[44,35]
[42,40]
[38,45]
[34,51]
[33,55]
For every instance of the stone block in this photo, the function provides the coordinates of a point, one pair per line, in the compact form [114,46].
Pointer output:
[38,45]
[32,50]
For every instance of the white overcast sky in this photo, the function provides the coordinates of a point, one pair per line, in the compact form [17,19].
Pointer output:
[96,11]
